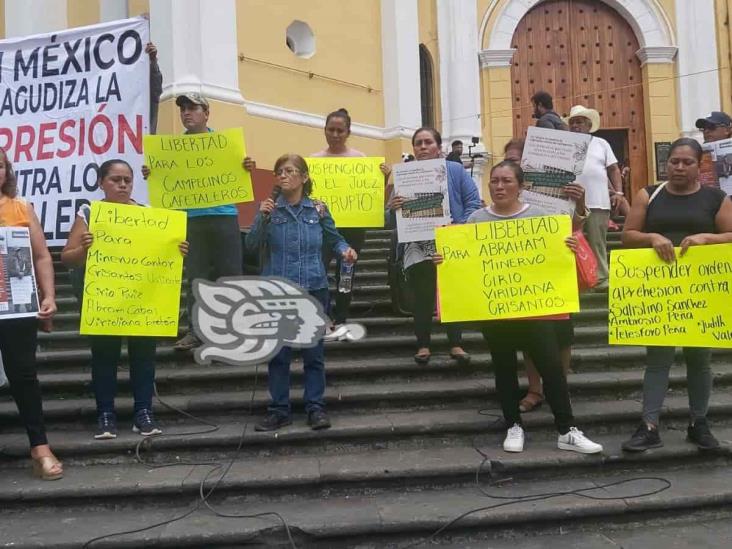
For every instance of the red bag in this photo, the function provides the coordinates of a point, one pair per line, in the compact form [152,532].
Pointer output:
[586,263]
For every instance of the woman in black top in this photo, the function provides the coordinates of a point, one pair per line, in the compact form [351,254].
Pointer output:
[681,213]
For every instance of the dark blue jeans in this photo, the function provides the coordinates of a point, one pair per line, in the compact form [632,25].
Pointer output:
[106,351]
[314,367]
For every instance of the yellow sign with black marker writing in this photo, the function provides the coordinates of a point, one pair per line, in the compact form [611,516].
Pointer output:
[687,303]
[353,189]
[199,170]
[516,268]
[133,271]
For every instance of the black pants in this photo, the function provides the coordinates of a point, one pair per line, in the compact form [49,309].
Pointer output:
[18,346]
[538,339]
[215,250]
[355,239]
[422,278]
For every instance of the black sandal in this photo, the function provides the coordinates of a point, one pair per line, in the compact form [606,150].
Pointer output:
[463,359]
[422,358]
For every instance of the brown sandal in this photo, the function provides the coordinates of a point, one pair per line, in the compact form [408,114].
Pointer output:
[531,402]
[47,468]
[423,357]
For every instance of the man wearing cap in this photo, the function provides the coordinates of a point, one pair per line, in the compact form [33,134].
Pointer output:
[600,166]
[213,233]
[715,127]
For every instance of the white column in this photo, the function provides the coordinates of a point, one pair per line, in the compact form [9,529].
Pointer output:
[113,10]
[400,54]
[34,17]
[697,57]
[197,47]
[457,30]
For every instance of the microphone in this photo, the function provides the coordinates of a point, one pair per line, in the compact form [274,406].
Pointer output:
[276,192]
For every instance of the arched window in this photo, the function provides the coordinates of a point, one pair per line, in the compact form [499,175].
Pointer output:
[427,86]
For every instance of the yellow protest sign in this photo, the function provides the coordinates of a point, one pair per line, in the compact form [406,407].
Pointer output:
[133,271]
[681,304]
[197,170]
[506,269]
[353,189]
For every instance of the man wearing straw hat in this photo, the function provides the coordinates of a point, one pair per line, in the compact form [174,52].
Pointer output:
[600,166]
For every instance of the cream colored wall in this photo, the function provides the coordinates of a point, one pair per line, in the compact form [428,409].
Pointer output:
[661,107]
[2,19]
[82,12]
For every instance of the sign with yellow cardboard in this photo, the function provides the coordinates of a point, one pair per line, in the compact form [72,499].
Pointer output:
[133,271]
[199,170]
[681,304]
[516,268]
[352,187]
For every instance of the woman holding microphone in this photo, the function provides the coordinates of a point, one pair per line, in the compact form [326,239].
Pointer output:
[295,224]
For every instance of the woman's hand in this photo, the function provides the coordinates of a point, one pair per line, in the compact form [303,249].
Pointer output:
[437,259]
[694,240]
[350,255]
[576,192]
[267,206]
[249,164]
[395,202]
[145,171]
[571,242]
[385,169]
[183,247]
[87,239]
[48,308]
[664,248]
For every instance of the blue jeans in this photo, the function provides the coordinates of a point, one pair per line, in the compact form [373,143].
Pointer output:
[106,351]
[314,367]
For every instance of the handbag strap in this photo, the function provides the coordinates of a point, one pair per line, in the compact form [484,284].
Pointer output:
[658,190]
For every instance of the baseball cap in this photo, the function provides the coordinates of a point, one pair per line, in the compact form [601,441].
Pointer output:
[195,98]
[716,118]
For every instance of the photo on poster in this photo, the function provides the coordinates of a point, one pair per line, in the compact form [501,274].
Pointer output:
[423,185]
[18,289]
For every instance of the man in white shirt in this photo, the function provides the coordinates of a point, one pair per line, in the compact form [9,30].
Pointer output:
[600,166]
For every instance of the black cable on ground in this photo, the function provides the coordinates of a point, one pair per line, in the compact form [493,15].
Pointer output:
[507,501]
[203,494]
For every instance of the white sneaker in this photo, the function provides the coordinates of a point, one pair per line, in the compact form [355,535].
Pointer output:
[339,332]
[576,441]
[514,441]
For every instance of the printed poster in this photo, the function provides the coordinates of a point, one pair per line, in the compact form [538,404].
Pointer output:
[18,289]
[551,160]
[423,184]
[716,165]
[69,100]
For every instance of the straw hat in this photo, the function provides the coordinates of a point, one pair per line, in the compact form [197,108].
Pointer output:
[591,114]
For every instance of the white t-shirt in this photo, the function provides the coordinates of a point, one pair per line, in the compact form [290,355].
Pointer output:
[594,178]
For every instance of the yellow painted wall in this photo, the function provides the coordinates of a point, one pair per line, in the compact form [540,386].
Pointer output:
[137,7]
[2,19]
[348,48]
[82,12]
[724,52]
[661,107]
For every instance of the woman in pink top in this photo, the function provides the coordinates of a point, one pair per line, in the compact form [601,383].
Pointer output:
[337,131]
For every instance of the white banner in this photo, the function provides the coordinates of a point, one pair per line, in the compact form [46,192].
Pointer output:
[69,101]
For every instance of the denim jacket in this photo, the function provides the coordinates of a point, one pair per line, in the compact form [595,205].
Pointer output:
[294,239]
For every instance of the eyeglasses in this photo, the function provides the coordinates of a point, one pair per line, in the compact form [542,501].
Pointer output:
[286,171]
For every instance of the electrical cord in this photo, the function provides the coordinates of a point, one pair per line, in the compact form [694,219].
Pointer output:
[507,501]
[203,495]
